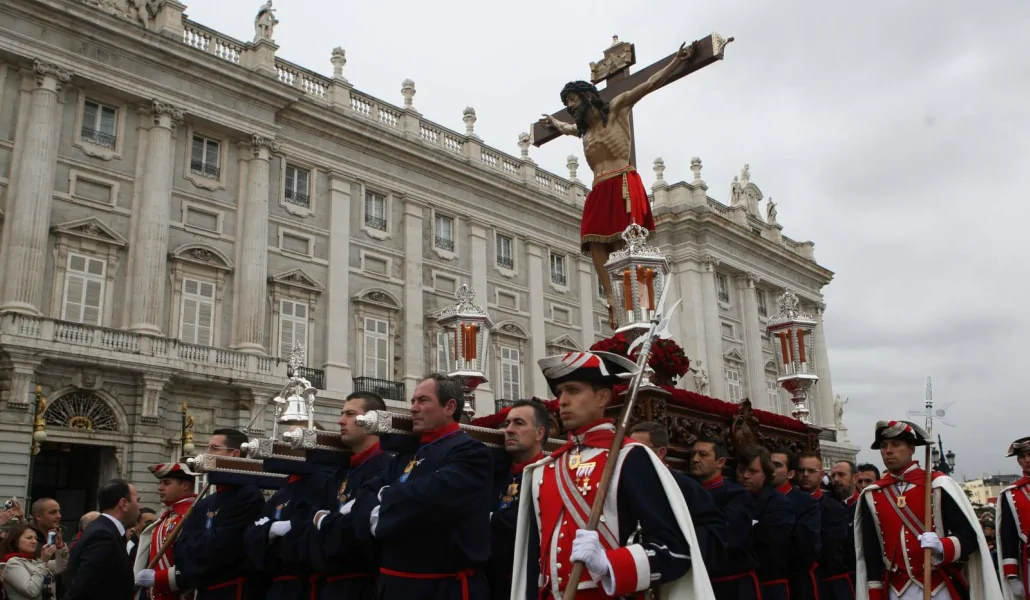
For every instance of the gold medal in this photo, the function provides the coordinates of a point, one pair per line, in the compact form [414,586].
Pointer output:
[902,501]
[411,465]
[574,459]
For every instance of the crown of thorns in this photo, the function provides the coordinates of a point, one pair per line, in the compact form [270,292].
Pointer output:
[578,87]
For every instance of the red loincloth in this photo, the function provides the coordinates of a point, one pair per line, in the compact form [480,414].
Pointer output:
[607,213]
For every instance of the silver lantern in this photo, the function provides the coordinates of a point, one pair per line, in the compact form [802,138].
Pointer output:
[790,332]
[639,273]
[298,405]
[467,328]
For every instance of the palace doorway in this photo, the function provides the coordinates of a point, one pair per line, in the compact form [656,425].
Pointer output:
[71,474]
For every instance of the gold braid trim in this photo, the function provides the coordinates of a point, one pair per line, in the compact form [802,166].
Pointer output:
[625,183]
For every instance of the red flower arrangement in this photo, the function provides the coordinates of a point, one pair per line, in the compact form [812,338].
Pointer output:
[668,360]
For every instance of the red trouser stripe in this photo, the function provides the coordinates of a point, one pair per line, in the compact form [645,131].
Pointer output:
[461,576]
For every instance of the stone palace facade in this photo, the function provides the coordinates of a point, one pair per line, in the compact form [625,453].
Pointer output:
[179,209]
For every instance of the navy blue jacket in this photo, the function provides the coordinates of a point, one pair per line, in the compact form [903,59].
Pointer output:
[772,516]
[734,505]
[806,544]
[709,524]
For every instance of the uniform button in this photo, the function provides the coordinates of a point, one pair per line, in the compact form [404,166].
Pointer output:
[559,549]
[561,535]
[559,566]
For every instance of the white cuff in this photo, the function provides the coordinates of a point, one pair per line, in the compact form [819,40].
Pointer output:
[373,520]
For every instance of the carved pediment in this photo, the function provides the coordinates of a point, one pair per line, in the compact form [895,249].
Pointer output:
[202,254]
[90,228]
[565,342]
[137,11]
[299,279]
[511,328]
[378,297]
[734,355]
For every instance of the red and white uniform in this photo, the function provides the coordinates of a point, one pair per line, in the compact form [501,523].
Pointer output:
[1012,517]
[151,541]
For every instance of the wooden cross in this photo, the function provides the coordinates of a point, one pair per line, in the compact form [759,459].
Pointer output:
[614,68]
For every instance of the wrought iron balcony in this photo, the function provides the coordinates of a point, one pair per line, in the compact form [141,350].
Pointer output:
[376,222]
[501,404]
[445,243]
[506,262]
[315,376]
[98,138]
[559,278]
[199,167]
[297,198]
[386,389]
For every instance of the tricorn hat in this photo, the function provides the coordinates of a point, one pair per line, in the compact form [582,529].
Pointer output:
[900,430]
[172,471]
[1020,445]
[591,367]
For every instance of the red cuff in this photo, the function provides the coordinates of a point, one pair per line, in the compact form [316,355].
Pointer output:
[161,583]
[877,593]
[1010,568]
[630,570]
[952,549]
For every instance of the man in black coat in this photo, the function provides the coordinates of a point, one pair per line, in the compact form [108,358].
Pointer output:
[99,567]
[772,520]
[806,540]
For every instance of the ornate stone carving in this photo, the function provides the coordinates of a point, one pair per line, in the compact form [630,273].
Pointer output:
[700,378]
[339,61]
[44,70]
[743,428]
[619,56]
[736,192]
[710,262]
[138,11]
[83,411]
[770,212]
[265,22]
[162,110]
[695,167]
[469,117]
[572,162]
[524,141]
[659,170]
[257,142]
[200,254]
[408,92]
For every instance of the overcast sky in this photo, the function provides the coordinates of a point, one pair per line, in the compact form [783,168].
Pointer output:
[894,135]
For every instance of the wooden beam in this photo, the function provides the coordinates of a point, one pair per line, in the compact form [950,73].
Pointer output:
[709,50]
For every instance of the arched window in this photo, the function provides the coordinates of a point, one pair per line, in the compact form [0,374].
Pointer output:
[83,411]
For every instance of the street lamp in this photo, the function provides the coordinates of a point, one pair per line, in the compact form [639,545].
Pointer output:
[638,273]
[791,331]
[467,328]
[186,437]
[38,437]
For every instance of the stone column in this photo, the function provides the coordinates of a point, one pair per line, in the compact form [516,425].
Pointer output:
[478,259]
[150,256]
[414,314]
[20,391]
[823,416]
[587,295]
[338,372]
[28,207]
[753,342]
[689,325]
[713,329]
[252,239]
[537,333]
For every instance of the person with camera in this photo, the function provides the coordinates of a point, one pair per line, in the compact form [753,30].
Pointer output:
[26,575]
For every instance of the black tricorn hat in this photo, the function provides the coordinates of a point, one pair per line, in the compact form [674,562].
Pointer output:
[172,471]
[1018,446]
[900,430]
[591,367]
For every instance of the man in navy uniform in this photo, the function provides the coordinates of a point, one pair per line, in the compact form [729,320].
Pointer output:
[525,430]
[429,511]
[709,524]
[645,536]
[209,552]
[805,540]
[841,586]
[889,529]
[1012,514]
[772,520]
[833,526]
[350,569]
[736,578]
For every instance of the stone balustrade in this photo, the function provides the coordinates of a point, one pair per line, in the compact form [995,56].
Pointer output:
[114,346]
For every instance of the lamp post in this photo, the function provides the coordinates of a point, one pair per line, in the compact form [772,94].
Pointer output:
[467,327]
[791,331]
[947,465]
[38,437]
[186,432]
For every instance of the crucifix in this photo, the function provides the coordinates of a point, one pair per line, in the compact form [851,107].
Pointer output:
[604,120]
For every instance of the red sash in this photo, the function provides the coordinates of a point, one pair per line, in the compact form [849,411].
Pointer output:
[461,576]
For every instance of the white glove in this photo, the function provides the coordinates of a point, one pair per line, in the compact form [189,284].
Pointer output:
[318,518]
[373,519]
[587,548]
[380,494]
[279,529]
[346,508]
[145,578]
[932,541]
[1017,588]
[261,521]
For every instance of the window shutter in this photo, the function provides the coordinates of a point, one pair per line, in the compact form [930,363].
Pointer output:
[188,326]
[285,337]
[74,289]
[205,320]
[92,303]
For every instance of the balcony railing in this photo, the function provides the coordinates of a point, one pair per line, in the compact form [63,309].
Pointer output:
[386,389]
[375,222]
[506,262]
[101,344]
[558,278]
[199,167]
[297,198]
[314,376]
[444,243]
[98,138]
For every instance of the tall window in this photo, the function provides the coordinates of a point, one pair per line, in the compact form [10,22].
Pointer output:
[511,374]
[377,340]
[558,269]
[84,290]
[99,124]
[204,157]
[733,384]
[375,211]
[505,252]
[722,284]
[772,391]
[297,186]
[293,328]
[198,312]
[444,233]
[763,308]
